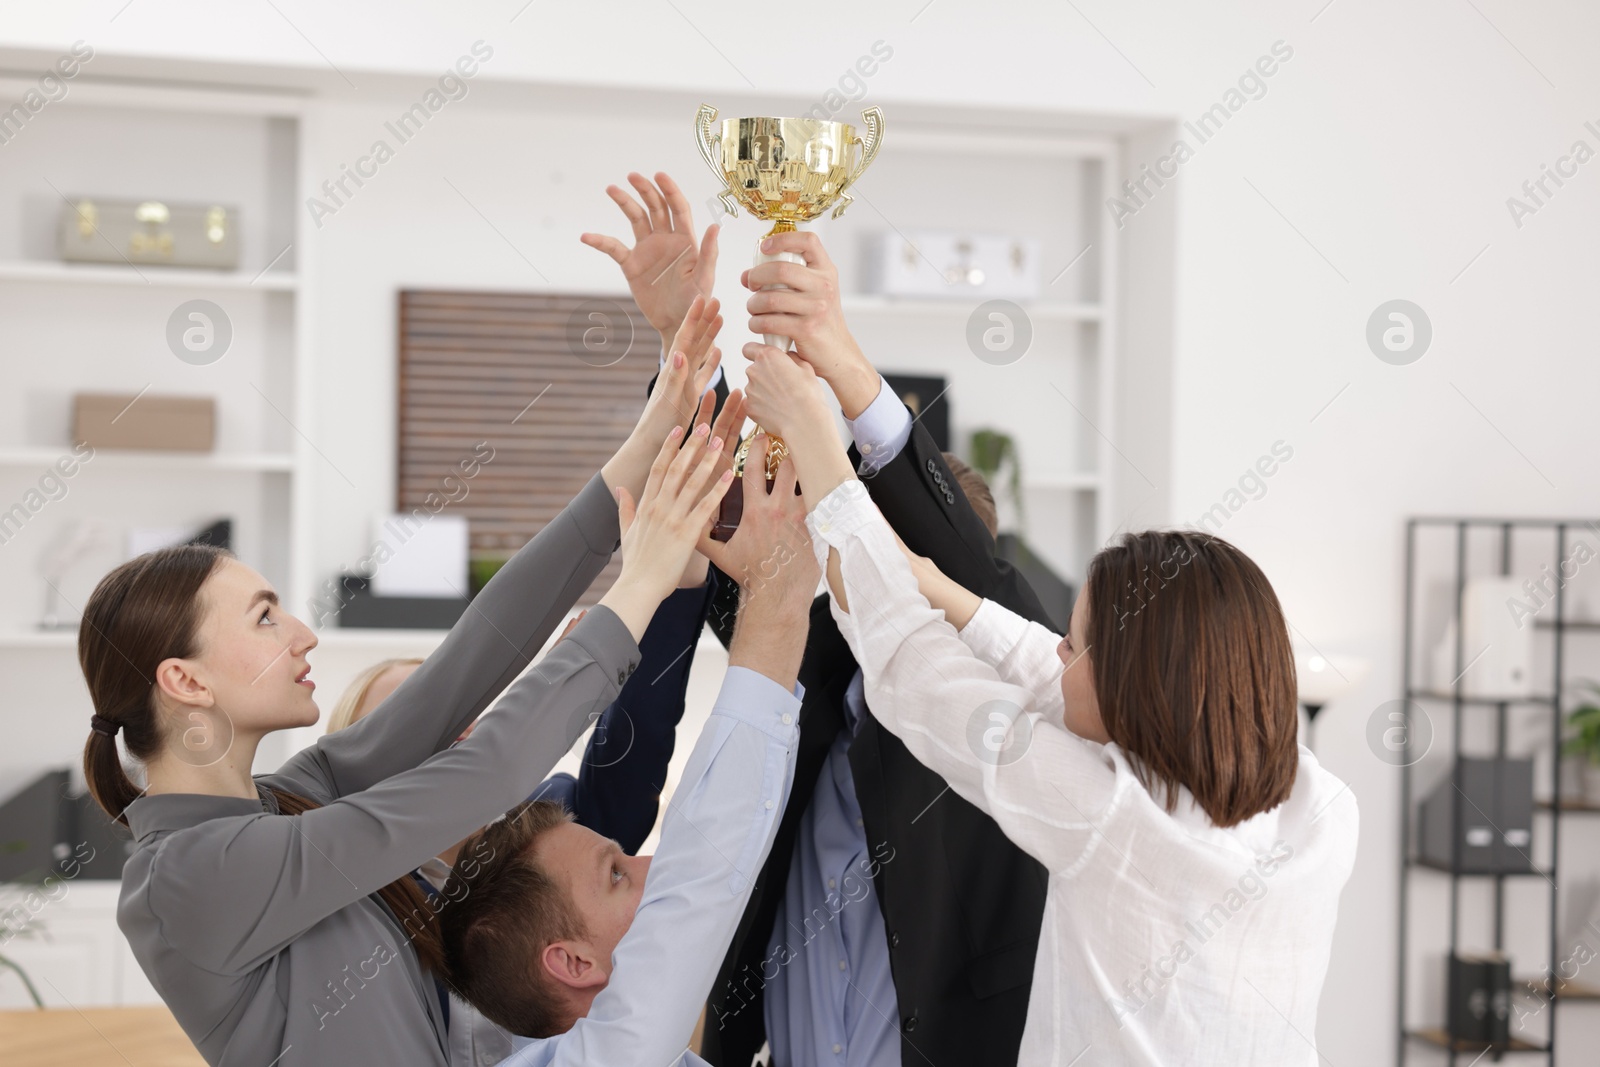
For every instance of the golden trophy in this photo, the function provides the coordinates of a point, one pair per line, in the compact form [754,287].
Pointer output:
[787,171]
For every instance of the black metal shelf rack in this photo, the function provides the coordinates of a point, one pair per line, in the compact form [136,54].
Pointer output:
[1552,993]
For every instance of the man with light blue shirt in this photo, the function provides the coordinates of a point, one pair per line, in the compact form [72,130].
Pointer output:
[623,949]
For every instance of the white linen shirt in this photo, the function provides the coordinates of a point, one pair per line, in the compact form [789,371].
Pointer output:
[1165,939]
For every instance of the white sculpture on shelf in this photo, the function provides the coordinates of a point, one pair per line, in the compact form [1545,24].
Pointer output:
[84,536]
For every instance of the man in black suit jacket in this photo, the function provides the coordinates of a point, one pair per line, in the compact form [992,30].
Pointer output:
[961,904]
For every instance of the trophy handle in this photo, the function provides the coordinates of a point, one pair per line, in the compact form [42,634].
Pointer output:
[709,144]
[872,118]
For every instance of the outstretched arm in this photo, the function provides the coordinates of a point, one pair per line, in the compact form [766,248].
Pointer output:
[508,622]
[664,269]
[619,783]
[723,816]
[903,468]
[924,684]
[239,889]
[675,398]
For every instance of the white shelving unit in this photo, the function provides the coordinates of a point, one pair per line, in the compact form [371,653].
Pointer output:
[82,327]
[66,328]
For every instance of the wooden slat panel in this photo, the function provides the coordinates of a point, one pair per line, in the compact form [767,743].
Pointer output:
[470,364]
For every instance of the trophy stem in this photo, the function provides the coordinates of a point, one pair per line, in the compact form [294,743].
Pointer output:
[777,340]
[777,449]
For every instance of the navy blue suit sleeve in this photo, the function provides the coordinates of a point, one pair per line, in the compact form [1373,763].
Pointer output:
[560,788]
[618,790]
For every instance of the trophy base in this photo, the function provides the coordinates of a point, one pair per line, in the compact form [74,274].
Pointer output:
[731,510]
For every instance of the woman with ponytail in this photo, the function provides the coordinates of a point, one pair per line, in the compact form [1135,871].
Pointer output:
[277,914]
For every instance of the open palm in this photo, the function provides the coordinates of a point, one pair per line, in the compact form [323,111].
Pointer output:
[665,269]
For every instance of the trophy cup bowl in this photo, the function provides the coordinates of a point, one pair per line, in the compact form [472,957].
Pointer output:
[786,171]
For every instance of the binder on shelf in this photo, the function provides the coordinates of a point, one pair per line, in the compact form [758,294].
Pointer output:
[1479,992]
[31,823]
[1495,801]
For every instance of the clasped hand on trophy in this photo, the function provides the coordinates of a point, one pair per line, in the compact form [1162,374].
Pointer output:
[782,393]
[801,301]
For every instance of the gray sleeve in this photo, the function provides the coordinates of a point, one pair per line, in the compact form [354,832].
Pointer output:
[230,893]
[504,627]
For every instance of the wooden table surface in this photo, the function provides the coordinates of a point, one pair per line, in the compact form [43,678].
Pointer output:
[64,1037]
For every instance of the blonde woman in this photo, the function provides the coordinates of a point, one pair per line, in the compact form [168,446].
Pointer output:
[370,688]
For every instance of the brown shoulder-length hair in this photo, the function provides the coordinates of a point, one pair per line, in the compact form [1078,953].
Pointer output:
[1193,671]
[149,610]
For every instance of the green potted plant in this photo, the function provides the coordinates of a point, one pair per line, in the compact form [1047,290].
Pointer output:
[991,450]
[1584,739]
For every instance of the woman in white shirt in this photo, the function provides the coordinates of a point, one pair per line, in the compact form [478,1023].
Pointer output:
[1148,759]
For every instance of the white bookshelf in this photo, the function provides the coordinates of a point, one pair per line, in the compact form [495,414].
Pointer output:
[71,327]
[68,328]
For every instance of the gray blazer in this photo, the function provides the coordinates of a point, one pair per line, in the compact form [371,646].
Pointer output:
[260,931]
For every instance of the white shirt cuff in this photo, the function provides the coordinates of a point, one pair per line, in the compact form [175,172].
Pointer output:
[882,430]
[845,510]
[993,632]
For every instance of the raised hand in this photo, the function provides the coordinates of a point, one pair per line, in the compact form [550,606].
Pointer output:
[678,393]
[695,341]
[809,312]
[728,427]
[660,531]
[664,270]
[782,396]
[771,550]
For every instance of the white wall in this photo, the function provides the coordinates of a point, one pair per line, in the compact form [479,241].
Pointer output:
[1377,166]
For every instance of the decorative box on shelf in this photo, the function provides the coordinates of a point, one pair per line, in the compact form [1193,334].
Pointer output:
[154,423]
[949,265]
[140,232]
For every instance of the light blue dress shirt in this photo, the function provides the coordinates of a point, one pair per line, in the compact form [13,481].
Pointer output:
[717,833]
[880,431]
[832,1001]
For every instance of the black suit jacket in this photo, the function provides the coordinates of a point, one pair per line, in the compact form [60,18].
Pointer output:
[962,905]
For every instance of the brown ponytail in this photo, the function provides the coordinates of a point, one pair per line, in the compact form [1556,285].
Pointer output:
[149,610]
